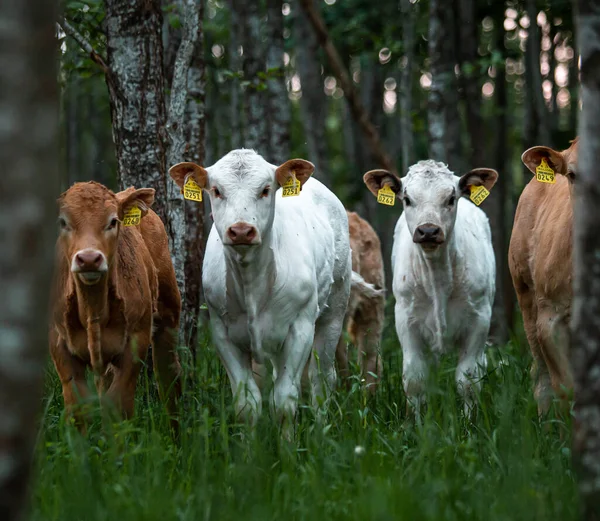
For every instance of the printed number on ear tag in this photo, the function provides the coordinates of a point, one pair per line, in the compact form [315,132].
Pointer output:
[544,173]
[192,191]
[132,217]
[291,187]
[386,195]
[478,194]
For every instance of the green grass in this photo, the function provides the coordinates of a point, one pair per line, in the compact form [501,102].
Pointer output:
[504,466]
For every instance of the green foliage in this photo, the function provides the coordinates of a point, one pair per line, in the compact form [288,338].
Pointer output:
[363,459]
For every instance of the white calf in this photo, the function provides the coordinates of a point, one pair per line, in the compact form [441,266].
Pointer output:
[276,275]
[443,272]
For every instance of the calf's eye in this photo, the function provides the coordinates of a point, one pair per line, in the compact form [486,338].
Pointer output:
[113,223]
[451,201]
[265,191]
[62,224]
[406,201]
[216,192]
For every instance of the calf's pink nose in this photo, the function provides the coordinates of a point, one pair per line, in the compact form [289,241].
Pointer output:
[241,233]
[89,260]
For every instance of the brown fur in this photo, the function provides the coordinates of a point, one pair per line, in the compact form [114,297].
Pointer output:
[109,326]
[541,268]
[364,317]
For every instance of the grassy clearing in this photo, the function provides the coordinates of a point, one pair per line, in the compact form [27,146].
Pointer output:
[505,466]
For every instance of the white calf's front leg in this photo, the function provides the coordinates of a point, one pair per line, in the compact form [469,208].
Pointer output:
[322,370]
[246,394]
[472,360]
[289,367]
[415,369]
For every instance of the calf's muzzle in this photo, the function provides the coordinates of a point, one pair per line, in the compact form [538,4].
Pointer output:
[241,234]
[428,234]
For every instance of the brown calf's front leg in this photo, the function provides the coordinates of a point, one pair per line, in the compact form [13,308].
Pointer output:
[126,369]
[71,372]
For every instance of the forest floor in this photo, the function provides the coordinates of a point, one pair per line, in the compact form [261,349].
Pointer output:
[364,459]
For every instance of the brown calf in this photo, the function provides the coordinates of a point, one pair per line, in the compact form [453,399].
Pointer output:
[364,317]
[541,268]
[115,293]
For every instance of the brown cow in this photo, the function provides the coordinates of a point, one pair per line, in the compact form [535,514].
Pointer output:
[115,293]
[364,317]
[541,268]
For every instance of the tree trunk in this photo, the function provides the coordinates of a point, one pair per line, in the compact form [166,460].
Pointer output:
[136,85]
[339,69]
[254,66]
[28,189]
[177,137]
[194,212]
[279,101]
[441,68]
[313,102]
[537,131]
[585,325]
[409,16]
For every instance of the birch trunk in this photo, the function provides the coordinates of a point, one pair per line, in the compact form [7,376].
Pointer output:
[585,325]
[136,83]
[28,190]
[177,143]
[194,212]
[279,102]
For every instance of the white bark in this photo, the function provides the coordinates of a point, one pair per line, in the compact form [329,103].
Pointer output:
[194,213]
[136,82]
[177,139]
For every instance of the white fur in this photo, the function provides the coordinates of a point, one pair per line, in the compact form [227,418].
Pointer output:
[277,299]
[443,298]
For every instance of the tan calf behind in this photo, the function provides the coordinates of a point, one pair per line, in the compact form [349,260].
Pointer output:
[364,317]
[541,267]
[115,294]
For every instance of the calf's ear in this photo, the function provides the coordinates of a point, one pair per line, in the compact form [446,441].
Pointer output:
[377,179]
[533,156]
[486,177]
[300,167]
[181,171]
[142,198]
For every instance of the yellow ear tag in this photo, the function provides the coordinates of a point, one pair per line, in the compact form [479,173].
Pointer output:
[132,217]
[544,173]
[192,190]
[291,187]
[478,194]
[386,196]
